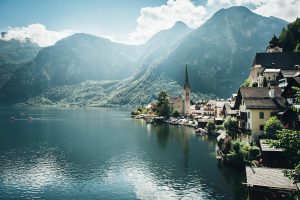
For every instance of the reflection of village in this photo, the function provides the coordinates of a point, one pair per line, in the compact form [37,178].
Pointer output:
[268,92]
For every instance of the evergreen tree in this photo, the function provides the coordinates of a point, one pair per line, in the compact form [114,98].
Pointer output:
[290,37]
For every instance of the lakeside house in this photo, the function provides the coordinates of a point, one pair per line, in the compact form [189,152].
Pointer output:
[268,65]
[255,105]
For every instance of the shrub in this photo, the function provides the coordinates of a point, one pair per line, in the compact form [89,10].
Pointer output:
[273,125]
[236,146]
[211,126]
[254,152]
[231,126]
[176,114]
[255,84]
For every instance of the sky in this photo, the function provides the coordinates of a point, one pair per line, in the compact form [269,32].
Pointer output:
[124,21]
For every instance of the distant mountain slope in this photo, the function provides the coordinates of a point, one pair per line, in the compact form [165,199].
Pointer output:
[72,60]
[12,53]
[15,51]
[83,57]
[162,43]
[219,54]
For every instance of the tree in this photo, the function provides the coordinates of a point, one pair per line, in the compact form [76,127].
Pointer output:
[231,126]
[254,84]
[163,105]
[272,126]
[211,126]
[265,83]
[290,37]
[289,140]
[176,114]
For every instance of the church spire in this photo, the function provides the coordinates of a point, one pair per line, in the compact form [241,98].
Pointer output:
[186,78]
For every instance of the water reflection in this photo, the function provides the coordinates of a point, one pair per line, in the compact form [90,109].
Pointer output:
[102,154]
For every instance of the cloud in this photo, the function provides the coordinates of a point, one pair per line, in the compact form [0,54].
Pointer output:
[287,9]
[155,19]
[38,34]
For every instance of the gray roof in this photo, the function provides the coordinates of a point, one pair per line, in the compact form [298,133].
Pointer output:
[269,103]
[269,177]
[258,98]
[266,147]
[288,73]
[258,92]
[281,60]
[229,110]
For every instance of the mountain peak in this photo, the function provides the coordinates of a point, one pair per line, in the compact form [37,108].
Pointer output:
[180,24]
[233,11]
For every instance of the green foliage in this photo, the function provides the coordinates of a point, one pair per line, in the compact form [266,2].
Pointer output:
[220,127]
[255,84]
[211,126]
[163,105]
[272,126]
[236,146]
[176,114]
[254,152]
[140,110]
[290,37]
[290,141]
[247,83]
[265,83]
[242,153]
[231,126]
[297,93]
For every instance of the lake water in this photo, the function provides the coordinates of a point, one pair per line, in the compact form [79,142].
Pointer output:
[104,154]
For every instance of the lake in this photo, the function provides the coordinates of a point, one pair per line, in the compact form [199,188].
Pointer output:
[104,154]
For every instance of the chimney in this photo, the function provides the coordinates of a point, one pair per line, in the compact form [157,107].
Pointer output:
[271,92]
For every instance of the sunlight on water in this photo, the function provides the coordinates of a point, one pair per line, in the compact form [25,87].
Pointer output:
[104,154]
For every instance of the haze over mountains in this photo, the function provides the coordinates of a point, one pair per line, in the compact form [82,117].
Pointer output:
[89,70]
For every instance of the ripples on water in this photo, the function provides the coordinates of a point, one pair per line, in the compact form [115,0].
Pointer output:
[103,154]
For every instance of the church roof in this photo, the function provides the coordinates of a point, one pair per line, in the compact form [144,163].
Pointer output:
[280,60]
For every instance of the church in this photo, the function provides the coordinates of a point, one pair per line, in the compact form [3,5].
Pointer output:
[182,103]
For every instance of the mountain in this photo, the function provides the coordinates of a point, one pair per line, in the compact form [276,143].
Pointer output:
[72,60]
[15,51]
[12,53]
[83,57]
[161,43]
[218,54]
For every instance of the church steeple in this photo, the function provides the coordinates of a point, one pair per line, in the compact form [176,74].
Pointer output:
[186,78]
[186,93]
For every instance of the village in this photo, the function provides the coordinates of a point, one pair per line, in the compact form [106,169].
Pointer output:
[246,123]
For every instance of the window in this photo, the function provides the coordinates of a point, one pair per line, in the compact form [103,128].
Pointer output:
[261,127]
[261,115]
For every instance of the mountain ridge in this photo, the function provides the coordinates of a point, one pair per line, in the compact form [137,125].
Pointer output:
[219,54]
